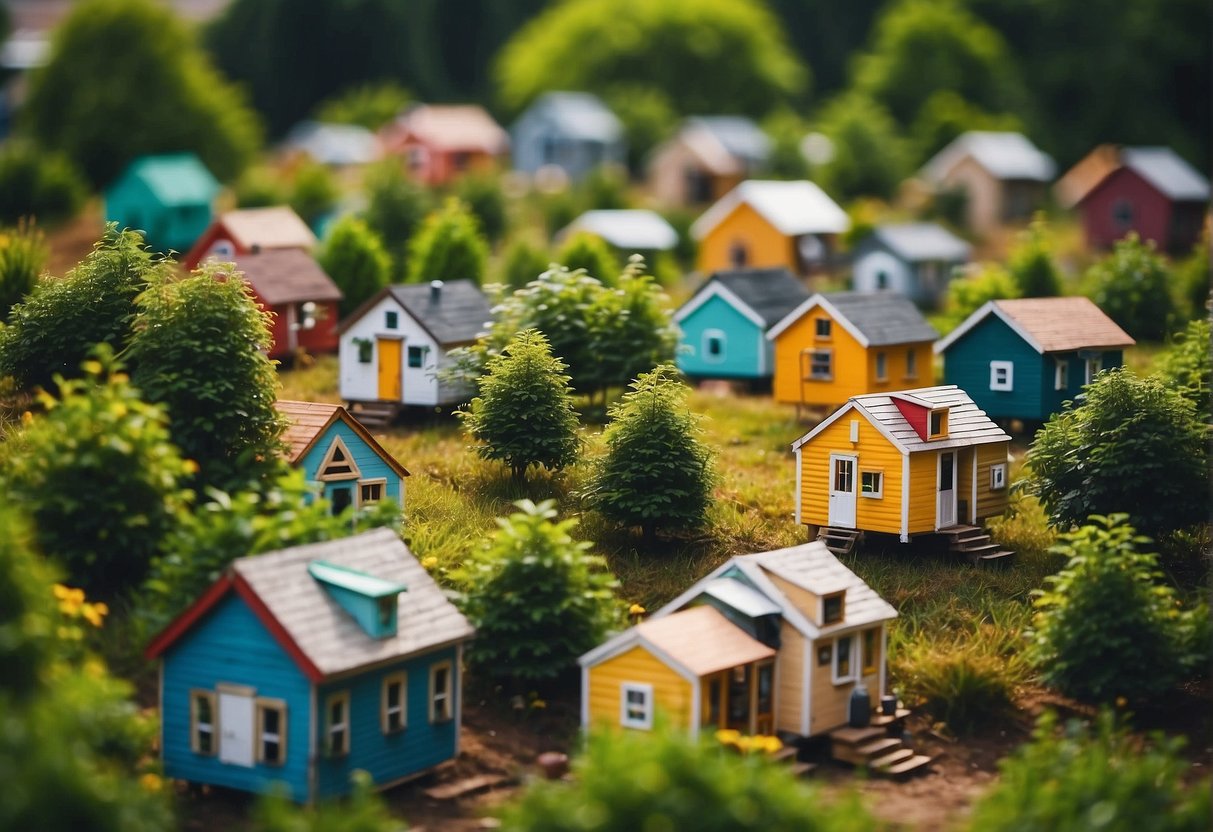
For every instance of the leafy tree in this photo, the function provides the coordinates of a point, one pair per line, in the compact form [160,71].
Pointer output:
[448,247]
[946,115]
[633,332]
[523,262]
[1031,263]
[314,191]
[484,198]
[524,414]
[603,188]
[869,156]
[1107,625]
[356,260]
[787,131]
[58,325]
[1132,445]
[648,118]
[366,105]
[197,350]
[23,254]
[631,780]
[38,183]
[968,294]
[396,208]
[537,598]
[1192,278]
[124,79]
[721,56]
[656,473]
[1093,777]
[584,250]
[1187,366]
[260,187]
[1133,286]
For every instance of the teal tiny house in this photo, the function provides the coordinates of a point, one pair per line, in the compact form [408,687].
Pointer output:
[1023,358]
[167,197]
[724,324]
[303,665]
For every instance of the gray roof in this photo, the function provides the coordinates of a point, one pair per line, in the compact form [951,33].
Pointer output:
[1163,168]
[883,318]
[580,115]
[771,293]
[630,229]
[328,635]
[460,313]
[334,144]
[1004,155]
[916,242]
[740,136]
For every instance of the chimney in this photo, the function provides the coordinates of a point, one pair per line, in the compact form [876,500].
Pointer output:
[255,248]
[435,291]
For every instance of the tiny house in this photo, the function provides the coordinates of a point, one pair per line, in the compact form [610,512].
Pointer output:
[917,260]
[707,158]
[628,231]
[304,299]
[298,667]
[250,230]
[168,197]
[573,132]
[440,142]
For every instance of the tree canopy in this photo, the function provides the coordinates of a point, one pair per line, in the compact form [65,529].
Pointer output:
[355,259]
[448,246]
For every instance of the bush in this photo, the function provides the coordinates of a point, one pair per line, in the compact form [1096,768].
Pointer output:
[396,208]
[356,260]
[961,685]
[1031,263]
[39,183]
[1192,279]
[1093,779]
[523,262]
[1106,625]
[367,105]
[1186,366]
[23,254]
[314,191]
[1133,286]
[484,198]
[538,600]
[584,250]
[869,153]
[260,187]
[968,294]
[448,247]
[648,117]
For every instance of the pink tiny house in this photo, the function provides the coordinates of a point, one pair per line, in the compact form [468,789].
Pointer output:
[441,142]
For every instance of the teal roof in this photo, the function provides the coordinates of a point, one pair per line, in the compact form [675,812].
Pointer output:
[176,179]
[353,580]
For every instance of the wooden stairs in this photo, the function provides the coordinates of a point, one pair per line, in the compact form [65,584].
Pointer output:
[374,414]
[838,540]
[975,545]
[877,750]
[789,755]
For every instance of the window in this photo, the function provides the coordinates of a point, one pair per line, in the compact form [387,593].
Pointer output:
[882,280]
[1002,375]
[337,723]
[385,607]
[365,350]
[871,650]
[713,345]
[766,688]
[882,367]
[221,249]
[392,703]
[417,356]
[871,484]
[821,365]
[391,319]
[271,732]
[824,327]
[338,464]
[938,423]
[1061,374]
[441,705]
[998,476]
[911,364]
[844,475]
[738,255]
[1091,368]
[202,722]
[370,491]
[1122,214]
[832,608]
[636,705]
[844,666]
[824,654]
[340,499]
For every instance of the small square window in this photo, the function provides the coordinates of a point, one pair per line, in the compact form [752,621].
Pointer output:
[713,345]
[1061,374]
[882,367]
[824,326]
[821,365]
[417,357]
[370,492]
[844,666]
[366,349]
[391,319]
[998,476]
[938,423]
[832,608]
[871,484]
[1002,375]
[636,706]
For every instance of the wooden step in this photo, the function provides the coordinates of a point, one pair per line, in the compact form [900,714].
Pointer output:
[856,736]
[885,720]
[1000,558]
[787,753]
[803,769]
[905,768]
[977,549]
[872,750]
[889,760]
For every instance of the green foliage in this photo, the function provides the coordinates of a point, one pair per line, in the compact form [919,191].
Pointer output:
[968,294]
[99,477]
[125,79]
[355,259]
[1132,445]
[1133,286]
[524,414]
[538,600]
[590,252]
[1083,779]
[396,208]
[1031,263]
[946,115]
[869,156]
[787,131]
[656,473]
[1187,366]
[961,684]
[633,332]
[522,263]
[1192,279]
[23,254]
[629,781]
[38,182]
[366,105]
[60,323]
[364,811]
[648,117]
[260,187]
[483,196]
[448,247]
[197,348]
[314,191]
[1107,625]
[717,56]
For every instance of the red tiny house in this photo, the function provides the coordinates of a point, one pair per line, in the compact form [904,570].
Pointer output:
[247,231]
[303,300]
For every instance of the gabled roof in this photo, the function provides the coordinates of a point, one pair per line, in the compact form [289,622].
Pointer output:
[793,208]
[967,423]
[725,144]
[453,127]
[1049,324]
[762,295]
[632,230]
[286,275]
[1167,171]
[874,320]
[175,179]
[578,115]
[308,421]
[452,312]
[1086,173]
[334,144]
[1003,155]
[915,242]
[312,627]
[276,227]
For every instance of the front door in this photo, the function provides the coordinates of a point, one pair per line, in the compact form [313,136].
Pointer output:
[947,490]
[739,711]
[389,369]
[842,491]
[236,728]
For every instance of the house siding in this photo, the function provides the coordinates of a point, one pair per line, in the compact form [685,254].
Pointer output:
[1053,400]
[874,452]
[131,204]
[672,694]
[967,365]
[871,262]
[370,465]
[990,502]
[850,362]
[830,701]
[746,350]
[792,677]
[230,645]
[359,382]
[1152,214]
[924,491]
[765,246]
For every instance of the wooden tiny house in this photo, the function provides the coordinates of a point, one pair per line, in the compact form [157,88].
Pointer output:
[249,230]
[707,158]
[440,142]
[169,198]
[917,260]
[304,299]
[572,132]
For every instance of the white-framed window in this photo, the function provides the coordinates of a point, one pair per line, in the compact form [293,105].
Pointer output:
[844,659]
[391,319]
[337,723]
[222,250]
[1091,368]
[871,484]
[911,364]
[371,491]
[416,356]
[442,706]
[882,367]
[714,341]
[636,705]
[998,476]
[271,731]
[202,722]
[820,365]
[823,327]
[1061,374]
[338,463]
[1002,375]
[393,703]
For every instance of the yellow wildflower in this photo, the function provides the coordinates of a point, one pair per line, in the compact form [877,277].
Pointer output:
[429,562]
[636,609]
[189,466]
[93,368]
[27,418]
[538,703]
[151,782]
[93,613]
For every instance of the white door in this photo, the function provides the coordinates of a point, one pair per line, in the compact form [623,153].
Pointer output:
[236,729]
[842,490]
[947,490]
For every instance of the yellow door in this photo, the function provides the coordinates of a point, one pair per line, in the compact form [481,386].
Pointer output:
[389,369]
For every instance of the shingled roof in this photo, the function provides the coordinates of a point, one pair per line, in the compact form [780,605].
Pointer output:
[767,294]
[916,242]
[266,228]
[307,422]
[452,312]
[793,208]
[874,320]
[287,275]
[1049,324]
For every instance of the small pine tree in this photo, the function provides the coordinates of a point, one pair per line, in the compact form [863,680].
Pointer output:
[356,260]
[656,472]
[1031,263]
[448,247]
[590,252]
[1133,286]
[23,255]
[396,208]
[524,414]
[484,198]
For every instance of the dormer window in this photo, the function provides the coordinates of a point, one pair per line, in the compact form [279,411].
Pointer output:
[369,600]
[938,424]
[832,608]
[387,611]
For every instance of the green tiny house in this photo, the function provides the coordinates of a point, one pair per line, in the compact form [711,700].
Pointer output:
[169,198]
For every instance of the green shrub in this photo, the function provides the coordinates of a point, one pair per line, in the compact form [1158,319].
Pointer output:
[260,187]
[355,259]
[1084,779]
[483,196]
[1024,527]
[36,182]
[523,262]
[314,191]
[1133,286]
[1192,280]
[448,246]
[1031,263]
[538,600]
[1187,366]
[23,254]
[968,294]
[367,105]
[584,250]
[961,684]
[396,208]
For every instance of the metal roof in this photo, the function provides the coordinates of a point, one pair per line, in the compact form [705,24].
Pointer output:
[453,311]
[632,230]
[1167,171]
[176,178]
[916,242]
[579,115]
[793,208]
[1003,155]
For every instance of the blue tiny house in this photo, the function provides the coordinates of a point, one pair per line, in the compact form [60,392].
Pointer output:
[572,131]
[334,449]
[1024,358]
[724,324]
[302,665]
[167,197]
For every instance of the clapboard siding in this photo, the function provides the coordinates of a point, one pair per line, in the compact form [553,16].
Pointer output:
[850,363]
[371,466]
[990,502]
[790,669]
[765,246]
[967,365]
[924,490]
[672,694]
[745,352]
[874,452]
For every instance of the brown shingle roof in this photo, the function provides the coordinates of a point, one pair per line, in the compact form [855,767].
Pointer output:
[287,275]
[277,227]
[703,641]
[1064,324]
[307,420]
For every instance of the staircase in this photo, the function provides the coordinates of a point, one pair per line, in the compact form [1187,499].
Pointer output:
[375,414]
[874,749]
[975,545]
[838,540]
[788,756]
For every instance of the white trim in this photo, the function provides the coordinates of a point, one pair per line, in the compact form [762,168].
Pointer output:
[878,494]
[998,476]
[343,696]
[853,458]
[1061,373]
[852,404]
[338,444]
[939,483]
[645,723]
[714,288]
[806,695]
[448,704]
[585,697]
[457,690]
[400,677]
[973,502]
[884,658]
[905,498]
[696,708]
[705,337]
[852,656]
[799,486]
[1006,368]
[1091,367]
[762,354]
[808,306]
[630,638]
